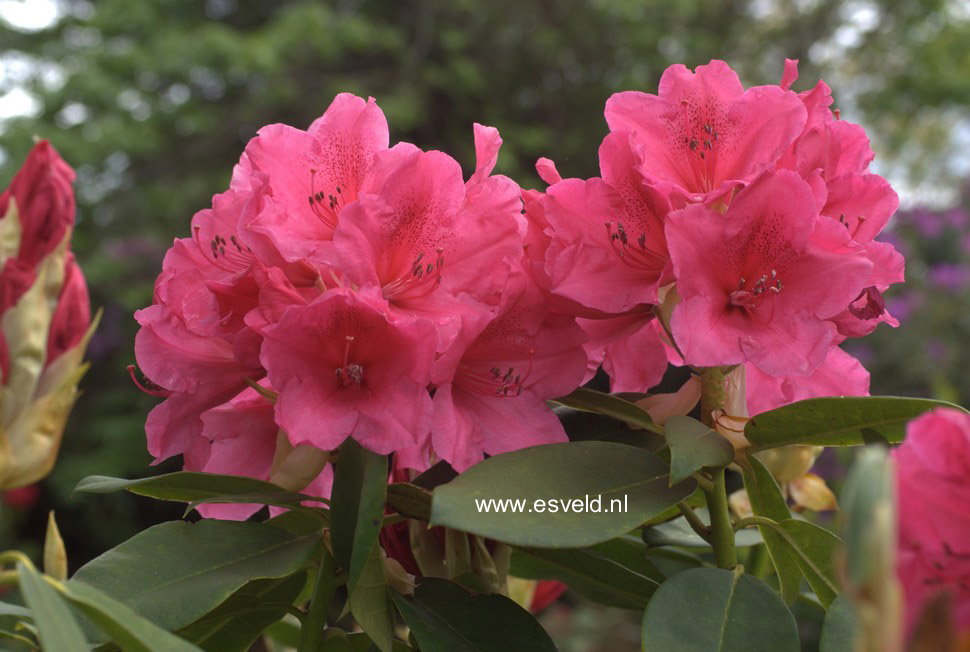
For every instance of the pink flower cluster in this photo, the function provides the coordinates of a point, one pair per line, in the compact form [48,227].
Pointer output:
[730,226]
[344,288]
[933,490]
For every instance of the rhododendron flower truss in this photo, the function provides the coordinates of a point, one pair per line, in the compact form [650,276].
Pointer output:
[314,174]
[704,134]
[758,283]
[607,251]
[424,237]
[492,385]
[345,367]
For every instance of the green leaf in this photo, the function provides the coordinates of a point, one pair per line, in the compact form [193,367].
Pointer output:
[837,421]
[611,406]
[615,573]
[713,609]
[237,622]
[838,628]
[813,550]
[767,500]
[582,425]
[370,603]
[197,488]
[409,500]
[176,572]
[285,632]
[56,626]
[361,643]
[678,532]
[359,492]
[867,518]
[15,610]
[444,617]
[630,482]
[130,631]
[694,446]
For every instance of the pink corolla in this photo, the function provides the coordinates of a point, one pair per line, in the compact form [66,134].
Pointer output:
[758,283]
[703,134]
[314,174]
[427,240]
[839,375]
[491,387]
[933,490]
[343,366]
[607,251]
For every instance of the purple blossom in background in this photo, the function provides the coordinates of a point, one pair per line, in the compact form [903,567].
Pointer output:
[899,244]
[957,218]
[927,223]
[936,350]
[902,305]
[951,277]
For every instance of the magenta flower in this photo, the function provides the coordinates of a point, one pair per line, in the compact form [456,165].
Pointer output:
[607,250]
[427,240]
[758,283]
[344,367]
[314,174]
[491,388]
[933,488]
[839,375]
[703,133]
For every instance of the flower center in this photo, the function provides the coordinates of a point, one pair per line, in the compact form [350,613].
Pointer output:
[493,382]
[350,373]
[229,255]
[325,205]
[700,147]
[420,279]
[634,254]
[750,298]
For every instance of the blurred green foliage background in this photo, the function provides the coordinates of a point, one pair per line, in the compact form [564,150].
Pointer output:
[153,101]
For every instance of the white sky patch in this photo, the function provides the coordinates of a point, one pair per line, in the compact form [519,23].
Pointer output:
[30,15]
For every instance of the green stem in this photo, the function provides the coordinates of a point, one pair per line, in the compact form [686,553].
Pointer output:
[722,531]
[695,521]
[311,632]
[759,562]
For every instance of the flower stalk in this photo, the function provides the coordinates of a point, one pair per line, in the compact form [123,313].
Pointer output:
[721,530]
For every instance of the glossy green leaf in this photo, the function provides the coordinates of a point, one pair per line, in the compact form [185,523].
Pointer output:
[361,643]
[694,446]
[409,500]
[444,617]
[237,622]
[370,601]
[359,492]
[630,482]
[56,626]
[582,425]
[838,628]
[176,572]
[837,421]
[867,518]
[615,573]
[196,488]
[611,406]
[132,632]
[767,500]
[708,609]
[7,609]
[814,551]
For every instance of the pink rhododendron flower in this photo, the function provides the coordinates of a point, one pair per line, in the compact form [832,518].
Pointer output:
[839,375]
[703,133]
[491,388]
[424,217]
[758,283]
[933,490]
[344,367]
[607,250]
